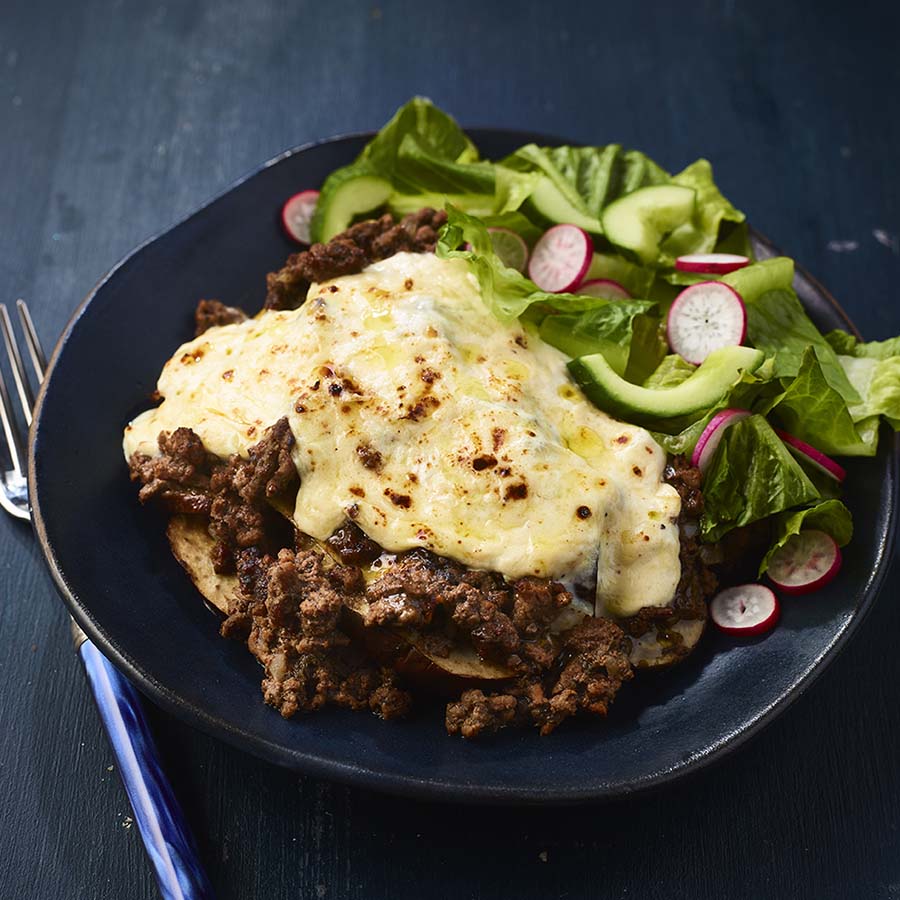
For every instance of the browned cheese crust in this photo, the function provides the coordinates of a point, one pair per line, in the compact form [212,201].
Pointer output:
[325,634]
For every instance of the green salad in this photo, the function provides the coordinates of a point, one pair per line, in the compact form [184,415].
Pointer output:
[647,281]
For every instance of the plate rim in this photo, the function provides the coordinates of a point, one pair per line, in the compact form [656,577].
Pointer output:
[358,774]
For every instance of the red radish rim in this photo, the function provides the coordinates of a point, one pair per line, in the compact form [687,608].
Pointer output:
[819,582]
[711,263]
[304,199]
[816,457]
[540,249]
[705,448]
[717,613]
[619,290]
[682,297]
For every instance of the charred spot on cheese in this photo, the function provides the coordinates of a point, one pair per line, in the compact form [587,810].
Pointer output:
[403,500]
[369,457]
[419,416]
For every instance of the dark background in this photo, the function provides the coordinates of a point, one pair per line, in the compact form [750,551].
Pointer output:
[118,118]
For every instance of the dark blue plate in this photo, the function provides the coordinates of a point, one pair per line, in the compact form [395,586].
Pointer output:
[113,567]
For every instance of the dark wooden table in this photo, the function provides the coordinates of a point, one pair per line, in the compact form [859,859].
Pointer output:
[120,117]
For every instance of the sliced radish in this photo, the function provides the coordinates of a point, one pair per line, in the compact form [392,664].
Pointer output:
[808,561]
[560,258]
[814,457]
[603,287]
[711,263]
[297,213]
[745,610]
[705,317]
[510,247]
[712,436]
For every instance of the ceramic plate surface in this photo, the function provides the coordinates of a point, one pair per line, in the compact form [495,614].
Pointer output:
[112,564]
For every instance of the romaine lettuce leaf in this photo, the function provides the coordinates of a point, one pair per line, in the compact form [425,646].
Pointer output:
[585,179]
[617,330]
[433,132]
[701,234]
[877,381]
[812,410]
[634,278]
[830,516]
[670,372]
[778,325]
[751,476]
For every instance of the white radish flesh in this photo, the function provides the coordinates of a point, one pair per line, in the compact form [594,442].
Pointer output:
[711,263]
[297,213]
[712,435]
[744,610]
[808,561]
[560,259]
[705,317]
[815,458]
[605,288]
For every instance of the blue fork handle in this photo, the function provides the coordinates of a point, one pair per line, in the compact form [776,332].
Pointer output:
[156,811]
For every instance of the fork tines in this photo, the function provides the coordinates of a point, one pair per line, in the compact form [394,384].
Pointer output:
[23,387]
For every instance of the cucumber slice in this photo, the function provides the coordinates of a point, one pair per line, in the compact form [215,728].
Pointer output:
[640,220]
[552,204]
[346,194]
[708,384]
[753,281]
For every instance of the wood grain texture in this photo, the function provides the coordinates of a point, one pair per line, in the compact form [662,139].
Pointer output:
[119,117]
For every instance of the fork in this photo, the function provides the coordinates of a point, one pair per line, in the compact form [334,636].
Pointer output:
[157,813]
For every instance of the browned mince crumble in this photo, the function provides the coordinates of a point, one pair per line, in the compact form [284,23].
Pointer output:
[295,601]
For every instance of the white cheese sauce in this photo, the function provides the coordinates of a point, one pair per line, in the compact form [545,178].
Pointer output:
[431,424]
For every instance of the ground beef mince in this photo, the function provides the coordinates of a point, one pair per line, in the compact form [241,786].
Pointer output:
[210,313]
[350,252]
[697,580]
[309,661]
[686,479]
[179,477]
[240,515]
[353,546]
[184,478]
[505,623]
[294,605]
[476,713]
[592,665]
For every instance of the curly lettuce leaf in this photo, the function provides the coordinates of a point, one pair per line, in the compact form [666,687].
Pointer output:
[812,410]
[507,293]
[830,516]
[751,476]
[847,344]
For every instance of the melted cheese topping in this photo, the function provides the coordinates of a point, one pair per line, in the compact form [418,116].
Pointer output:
[430,424]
